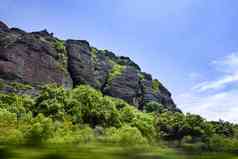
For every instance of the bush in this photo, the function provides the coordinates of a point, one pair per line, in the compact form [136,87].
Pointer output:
[154,107]
[82,135]
[16,103]
[128,114]
[117,70]
[155,85]
[83,115]
[96,109]
[172,126]
[143,121]
[51,102]
[8,128]
[146,124]
[39,130]
[125,135]
[223,128]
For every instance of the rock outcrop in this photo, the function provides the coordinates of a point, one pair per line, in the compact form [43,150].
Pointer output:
[38,58]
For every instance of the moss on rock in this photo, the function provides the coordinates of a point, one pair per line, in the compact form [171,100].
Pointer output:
[62,53]
[20,86]
[117,70]
[94,55]
[155,85]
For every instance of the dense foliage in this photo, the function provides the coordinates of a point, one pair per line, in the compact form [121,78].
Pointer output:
[84,115]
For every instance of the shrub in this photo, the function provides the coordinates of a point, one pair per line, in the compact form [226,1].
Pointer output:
[94,55]
[116,71]
[51,102]
[172,126]
[8,128]
[96,109]
[154,107]
[39,130]
[128,114]
[16,103]
[59,116]
[119,103]
[223,128]
[20,86]
[146,124]
[80,135]
[125,135]
[143,121]
[155,85]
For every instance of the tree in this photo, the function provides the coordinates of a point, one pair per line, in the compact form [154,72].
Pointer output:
[96,109]
[223,128]
[172,126]
[51,102]
[154,107]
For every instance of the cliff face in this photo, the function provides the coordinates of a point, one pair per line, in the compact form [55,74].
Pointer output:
[28,60]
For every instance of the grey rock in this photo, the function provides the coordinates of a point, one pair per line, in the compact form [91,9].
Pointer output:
[33,58]
[30,58]
[126,86]
[3,26]
[80,62]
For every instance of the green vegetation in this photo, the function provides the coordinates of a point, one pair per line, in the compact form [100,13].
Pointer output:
[59,46]
[2,85]
[155,85]
[84,117]
[94,55]
[117,70]
[62,54]
[141,76]
[20,86]
[102,151]
[154,107]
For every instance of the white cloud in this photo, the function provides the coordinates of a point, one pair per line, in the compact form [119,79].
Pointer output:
[220,83]
[218,103]
[229,67]
[213,107]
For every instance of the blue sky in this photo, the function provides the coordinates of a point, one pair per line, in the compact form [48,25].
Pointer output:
[190,45]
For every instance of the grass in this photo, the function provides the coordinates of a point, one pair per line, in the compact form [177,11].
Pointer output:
[100,151]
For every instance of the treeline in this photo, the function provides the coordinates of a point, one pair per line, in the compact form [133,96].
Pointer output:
[83,115]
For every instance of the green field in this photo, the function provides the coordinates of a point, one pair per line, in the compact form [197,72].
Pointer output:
[99,151]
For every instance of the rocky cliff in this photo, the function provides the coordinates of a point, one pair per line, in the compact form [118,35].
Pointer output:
[29,60]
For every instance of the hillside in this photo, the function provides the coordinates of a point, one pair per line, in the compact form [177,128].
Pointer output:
[38,58]
[66,99]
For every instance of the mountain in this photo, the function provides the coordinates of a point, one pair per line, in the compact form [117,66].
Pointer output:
[31,59]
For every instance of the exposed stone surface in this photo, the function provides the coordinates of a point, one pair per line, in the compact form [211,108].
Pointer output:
[3,26]
[126,86]
[39,58]
[30,58]
[80,64]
